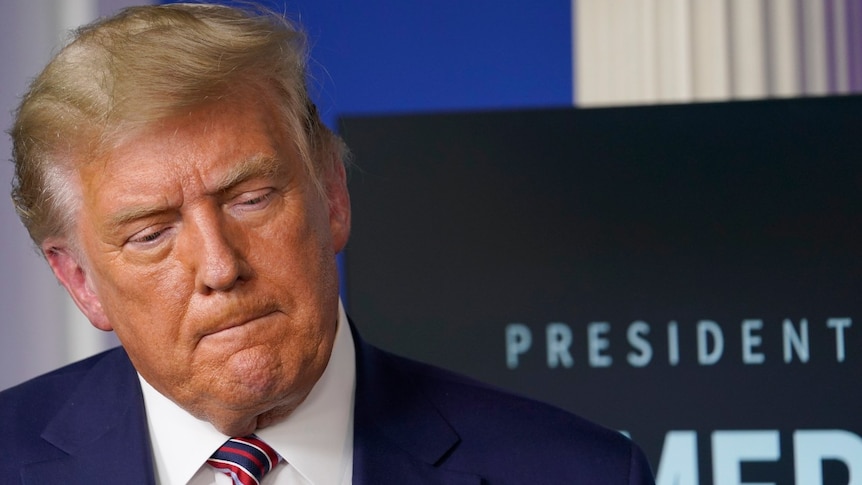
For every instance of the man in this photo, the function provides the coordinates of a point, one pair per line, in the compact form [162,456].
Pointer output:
[181,186]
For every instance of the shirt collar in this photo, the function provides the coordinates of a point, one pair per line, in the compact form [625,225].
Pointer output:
[316,438]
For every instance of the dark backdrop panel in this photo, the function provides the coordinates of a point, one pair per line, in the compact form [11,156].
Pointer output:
[647,220]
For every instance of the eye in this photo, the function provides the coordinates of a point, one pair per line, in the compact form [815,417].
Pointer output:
[150,237]
[257,199]
[146,237]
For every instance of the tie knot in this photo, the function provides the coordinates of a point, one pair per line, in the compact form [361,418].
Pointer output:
[245,459]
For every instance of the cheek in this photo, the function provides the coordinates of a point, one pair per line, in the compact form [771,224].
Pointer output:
[145,304]
[298,263]
[294,239]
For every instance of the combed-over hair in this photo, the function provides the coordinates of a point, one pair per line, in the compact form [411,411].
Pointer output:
[145,64]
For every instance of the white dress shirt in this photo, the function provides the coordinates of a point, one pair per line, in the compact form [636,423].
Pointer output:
[316,439]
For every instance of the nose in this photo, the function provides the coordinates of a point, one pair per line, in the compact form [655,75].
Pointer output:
[213,249]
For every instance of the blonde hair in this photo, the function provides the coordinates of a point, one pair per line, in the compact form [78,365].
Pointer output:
[142,65]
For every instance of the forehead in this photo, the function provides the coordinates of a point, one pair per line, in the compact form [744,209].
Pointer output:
[166,164]
[195,144]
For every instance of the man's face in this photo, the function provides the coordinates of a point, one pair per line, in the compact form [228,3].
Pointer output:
[204,245]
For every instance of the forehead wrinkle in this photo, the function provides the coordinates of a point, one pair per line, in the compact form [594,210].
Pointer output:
[256,166]
[140,204]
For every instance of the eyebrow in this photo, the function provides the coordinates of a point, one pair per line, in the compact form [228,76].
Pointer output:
[259,166]
[253,167]
[126,216]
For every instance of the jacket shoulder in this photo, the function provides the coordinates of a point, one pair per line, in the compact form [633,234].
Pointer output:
[27,408]
[522,439]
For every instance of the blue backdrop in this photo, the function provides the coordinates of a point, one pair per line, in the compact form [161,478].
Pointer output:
[446,55]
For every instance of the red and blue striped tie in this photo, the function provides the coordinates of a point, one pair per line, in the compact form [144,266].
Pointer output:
[246,460]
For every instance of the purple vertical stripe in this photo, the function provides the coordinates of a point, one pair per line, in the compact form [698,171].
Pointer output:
[831,61]
[854,44]
[574,20]
[804,82]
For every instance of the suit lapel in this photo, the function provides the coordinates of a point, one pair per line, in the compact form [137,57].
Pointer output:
[102,429]
[399,436]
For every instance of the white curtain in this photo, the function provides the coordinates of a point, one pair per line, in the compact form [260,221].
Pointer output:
[670,51]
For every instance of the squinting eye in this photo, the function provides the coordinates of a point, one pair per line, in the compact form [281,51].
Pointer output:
[256,200]
[150,237]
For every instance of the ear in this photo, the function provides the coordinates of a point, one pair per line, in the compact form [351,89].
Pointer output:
[71,273]
[339,205]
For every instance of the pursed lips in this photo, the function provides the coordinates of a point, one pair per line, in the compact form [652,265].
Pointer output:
[234,326]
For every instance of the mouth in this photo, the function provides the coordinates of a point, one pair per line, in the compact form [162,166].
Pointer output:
[241,323]
[235,323]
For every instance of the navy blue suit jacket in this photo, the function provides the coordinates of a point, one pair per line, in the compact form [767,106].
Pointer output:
[413,423]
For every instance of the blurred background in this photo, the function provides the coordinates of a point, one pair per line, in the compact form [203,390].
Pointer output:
[385,59]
